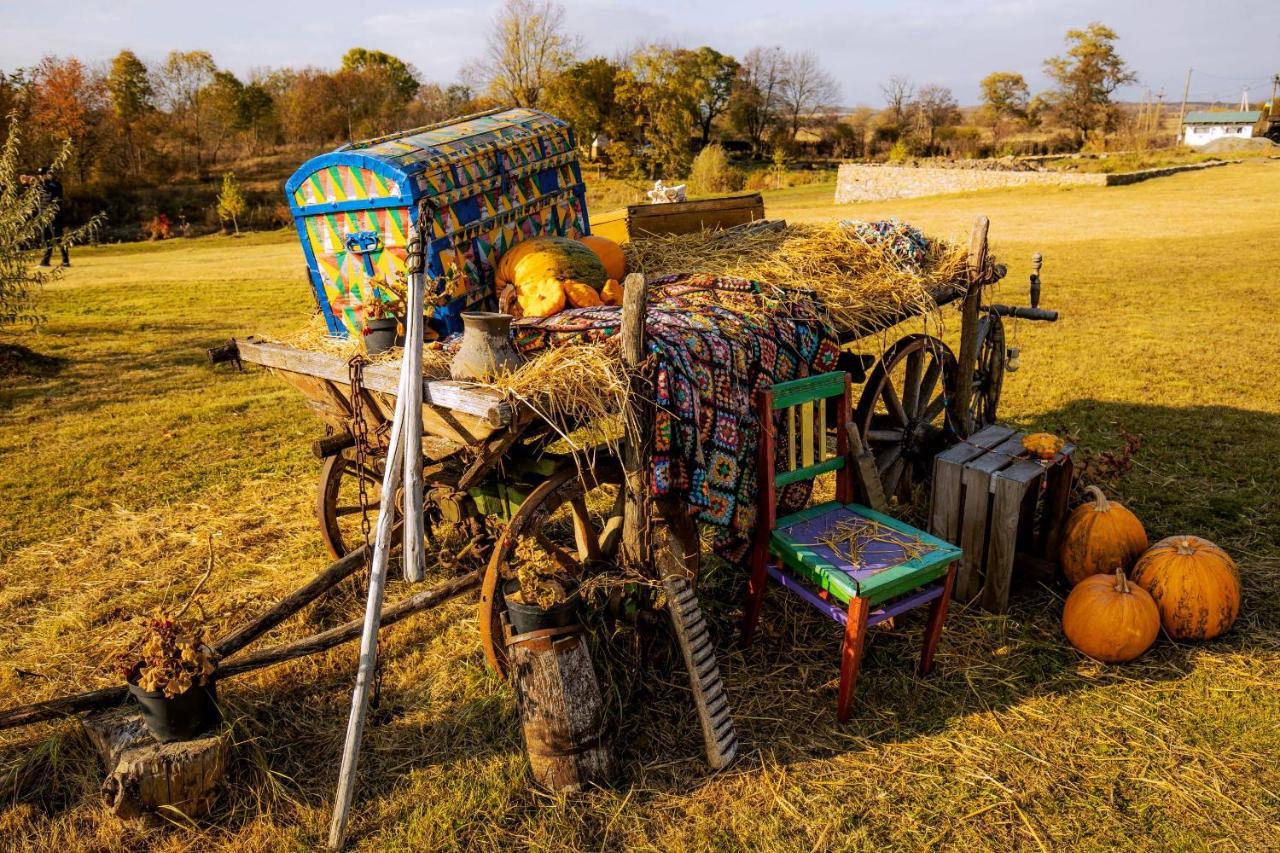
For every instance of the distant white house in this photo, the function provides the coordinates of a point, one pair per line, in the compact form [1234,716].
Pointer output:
[1203,128]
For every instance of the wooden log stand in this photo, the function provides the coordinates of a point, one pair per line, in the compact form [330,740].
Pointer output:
[145,777]
[561,710]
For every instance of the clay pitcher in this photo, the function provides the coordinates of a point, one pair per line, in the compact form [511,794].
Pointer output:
[486,347]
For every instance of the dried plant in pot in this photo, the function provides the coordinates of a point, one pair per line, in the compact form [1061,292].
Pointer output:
[384,314]
[539,594]
[169,671]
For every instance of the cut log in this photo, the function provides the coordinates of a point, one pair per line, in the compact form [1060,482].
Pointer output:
[561,711]
[638,425]
[145,776]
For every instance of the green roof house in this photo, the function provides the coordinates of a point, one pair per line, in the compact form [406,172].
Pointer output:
[1201,128]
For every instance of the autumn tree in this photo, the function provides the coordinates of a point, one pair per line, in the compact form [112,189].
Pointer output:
[182,82]
[435,103]
[657,89]
[1085,78]
[526,47]
[757,94]
[711,75]
[586,95]
[805,88]
[398,77]
[1005,97]
[68,105]
[898,92]
[934,107]
[231,202]
[129,85]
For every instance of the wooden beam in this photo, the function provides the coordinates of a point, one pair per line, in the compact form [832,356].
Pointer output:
[383,377]
[968,354]
[638,426]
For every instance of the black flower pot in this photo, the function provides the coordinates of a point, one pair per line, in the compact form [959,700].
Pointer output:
[191,713]
[380,335]
[530,617]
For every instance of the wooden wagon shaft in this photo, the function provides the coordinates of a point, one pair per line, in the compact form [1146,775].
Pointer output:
[968,354]
[391,614]
[50,709]
[348,631]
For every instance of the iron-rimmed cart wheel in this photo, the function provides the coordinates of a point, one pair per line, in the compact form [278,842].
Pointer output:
[567,518]
[338,500]
[988,373]
[902,413]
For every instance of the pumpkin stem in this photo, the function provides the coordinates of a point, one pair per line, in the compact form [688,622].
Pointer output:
[1100,502]
[1122,583]
[1185,547]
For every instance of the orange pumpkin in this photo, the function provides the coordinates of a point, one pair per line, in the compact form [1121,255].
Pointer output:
[611,293]
[1110,619]
[1099,536]
[609,253]
[1195,585]
[540,298]
[580,295]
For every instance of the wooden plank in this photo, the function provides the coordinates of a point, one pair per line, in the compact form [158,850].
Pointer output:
[787,394]
[821,438]
[1010,488]
[967,356]
[945,507]
[806,434]
[384,377]
[1057,499]
[790,414]
[975,483]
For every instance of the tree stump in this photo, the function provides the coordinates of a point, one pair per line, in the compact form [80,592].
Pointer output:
[144,775]
[561,710]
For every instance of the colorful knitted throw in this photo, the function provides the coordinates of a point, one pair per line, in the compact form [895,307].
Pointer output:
[716,341]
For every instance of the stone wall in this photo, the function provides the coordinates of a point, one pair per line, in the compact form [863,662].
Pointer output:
[874,182]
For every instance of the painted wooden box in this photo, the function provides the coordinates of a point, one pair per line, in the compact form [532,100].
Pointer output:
[485,181]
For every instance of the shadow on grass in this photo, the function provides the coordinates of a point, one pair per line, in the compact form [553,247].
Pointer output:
[19,361]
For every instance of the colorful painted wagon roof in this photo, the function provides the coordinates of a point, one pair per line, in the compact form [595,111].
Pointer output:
[432,161]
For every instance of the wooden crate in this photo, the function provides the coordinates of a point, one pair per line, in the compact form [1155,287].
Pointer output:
[678,218]
[1003,510]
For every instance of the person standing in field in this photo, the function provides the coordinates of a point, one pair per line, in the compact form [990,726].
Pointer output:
[51,195]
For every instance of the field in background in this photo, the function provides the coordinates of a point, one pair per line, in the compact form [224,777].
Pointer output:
[120,451]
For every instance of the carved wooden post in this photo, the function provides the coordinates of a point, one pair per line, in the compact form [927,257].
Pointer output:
[968,354]
[638,415]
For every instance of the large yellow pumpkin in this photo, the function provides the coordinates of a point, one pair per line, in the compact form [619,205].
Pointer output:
[1110,619]
[559,257]
[609,253]
[540,298]
[1099,536]
[506,272]
[1195,585]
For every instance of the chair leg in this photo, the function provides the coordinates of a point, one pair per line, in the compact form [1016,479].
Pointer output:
[937,616]
[855,639]
[755,594]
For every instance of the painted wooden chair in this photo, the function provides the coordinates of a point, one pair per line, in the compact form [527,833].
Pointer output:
[856,566]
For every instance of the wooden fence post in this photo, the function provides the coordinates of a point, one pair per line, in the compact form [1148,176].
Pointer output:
[968,354]
[638,415]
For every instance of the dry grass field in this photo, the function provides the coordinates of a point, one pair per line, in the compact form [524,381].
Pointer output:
[120,451]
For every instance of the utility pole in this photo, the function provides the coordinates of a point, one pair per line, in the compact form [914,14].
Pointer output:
[1182,113]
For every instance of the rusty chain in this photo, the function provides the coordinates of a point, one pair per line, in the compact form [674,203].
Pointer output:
[360,432]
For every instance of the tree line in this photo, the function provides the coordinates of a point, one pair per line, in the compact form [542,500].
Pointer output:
[649,110]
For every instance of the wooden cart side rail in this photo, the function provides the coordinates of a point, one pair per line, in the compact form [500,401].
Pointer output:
[485,403]
[941,296]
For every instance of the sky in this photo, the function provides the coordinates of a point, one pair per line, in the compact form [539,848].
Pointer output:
[954,43]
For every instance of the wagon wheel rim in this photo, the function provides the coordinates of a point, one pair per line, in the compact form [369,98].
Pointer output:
[574,517]
[338,501]
[988,373]
[902,413]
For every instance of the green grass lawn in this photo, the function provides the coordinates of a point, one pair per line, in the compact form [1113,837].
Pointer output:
[122,451]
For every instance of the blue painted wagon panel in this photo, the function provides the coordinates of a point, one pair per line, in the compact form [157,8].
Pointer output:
[485,182]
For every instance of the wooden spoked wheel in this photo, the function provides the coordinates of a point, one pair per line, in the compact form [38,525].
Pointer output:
[988,373]
[338,500]
[902,413]
[571,519]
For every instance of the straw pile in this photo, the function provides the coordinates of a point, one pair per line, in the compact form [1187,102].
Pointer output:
[863,284]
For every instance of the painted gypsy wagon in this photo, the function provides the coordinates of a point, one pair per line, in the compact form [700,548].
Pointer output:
[513,480]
